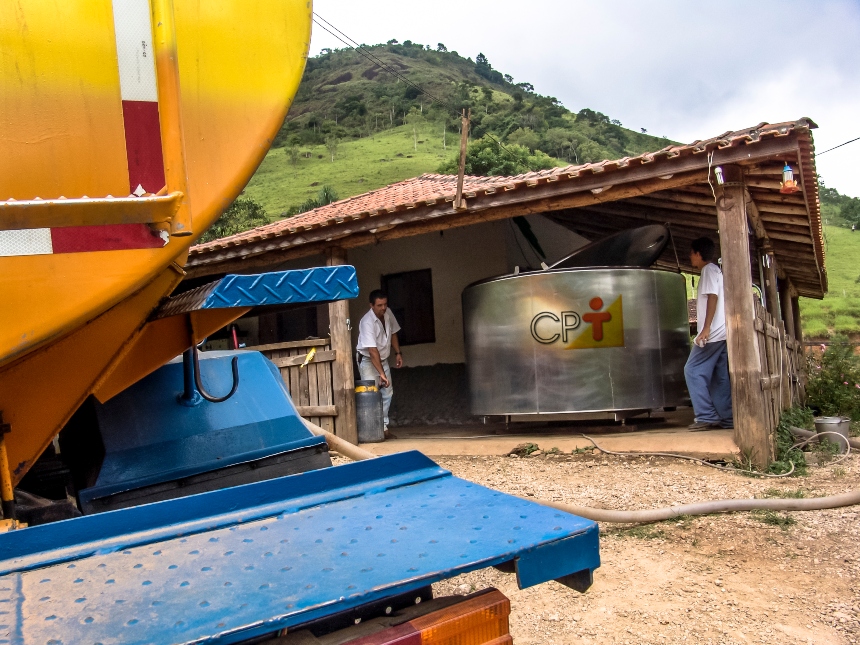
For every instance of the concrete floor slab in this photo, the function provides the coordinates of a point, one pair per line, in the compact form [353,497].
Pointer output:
[668,433]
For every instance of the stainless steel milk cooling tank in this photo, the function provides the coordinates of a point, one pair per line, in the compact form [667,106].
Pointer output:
[572,340]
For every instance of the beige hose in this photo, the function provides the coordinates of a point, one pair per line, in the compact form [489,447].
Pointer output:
[336,443]
[624,517]
[705,508]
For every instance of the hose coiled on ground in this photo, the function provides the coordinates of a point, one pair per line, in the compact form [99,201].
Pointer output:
[652,515]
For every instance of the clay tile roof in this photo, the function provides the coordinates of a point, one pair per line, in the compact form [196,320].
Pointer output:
[433,189]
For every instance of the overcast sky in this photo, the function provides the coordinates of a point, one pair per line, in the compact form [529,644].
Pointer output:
[680,68]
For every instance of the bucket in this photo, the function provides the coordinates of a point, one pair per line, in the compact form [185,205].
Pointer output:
[368,412]
[834,424]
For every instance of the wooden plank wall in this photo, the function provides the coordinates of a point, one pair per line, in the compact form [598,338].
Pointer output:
[782,366]
[310,387]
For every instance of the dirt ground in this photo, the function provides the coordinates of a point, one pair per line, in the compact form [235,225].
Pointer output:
[741,578]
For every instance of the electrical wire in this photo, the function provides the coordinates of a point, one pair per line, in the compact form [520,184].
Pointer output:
[801,433]
[818,434]
[736,471]
[674,248]
[710,162]
[349,42]
[839,146]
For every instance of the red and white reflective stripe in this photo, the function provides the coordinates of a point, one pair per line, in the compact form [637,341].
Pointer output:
[139,93]
[136,58]
[79,239]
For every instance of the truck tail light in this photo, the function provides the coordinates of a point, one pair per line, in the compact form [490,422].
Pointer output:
[478,620]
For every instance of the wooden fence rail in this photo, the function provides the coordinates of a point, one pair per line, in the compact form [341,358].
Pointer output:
[310,387]
[783,370]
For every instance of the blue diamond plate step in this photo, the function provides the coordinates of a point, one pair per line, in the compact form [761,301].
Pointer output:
[229,565]
[317,285]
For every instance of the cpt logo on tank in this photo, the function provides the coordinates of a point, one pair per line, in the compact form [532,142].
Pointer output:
[561,327]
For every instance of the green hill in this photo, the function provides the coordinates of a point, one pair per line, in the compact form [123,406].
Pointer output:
[355,126]
[360,165]
[839,312]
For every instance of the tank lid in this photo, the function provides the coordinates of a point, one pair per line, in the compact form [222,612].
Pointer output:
[637,247]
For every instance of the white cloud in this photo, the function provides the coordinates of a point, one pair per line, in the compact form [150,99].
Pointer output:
[680,69]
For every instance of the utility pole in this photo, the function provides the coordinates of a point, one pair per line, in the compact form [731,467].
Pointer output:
[464,138]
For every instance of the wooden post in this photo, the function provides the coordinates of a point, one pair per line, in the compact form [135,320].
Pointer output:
[801,353]
[785,302]
[751,432]
[464,138]
[343,383]
[769,280]
[796,353]
[795,310]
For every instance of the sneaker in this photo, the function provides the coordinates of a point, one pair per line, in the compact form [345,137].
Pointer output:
[703,425]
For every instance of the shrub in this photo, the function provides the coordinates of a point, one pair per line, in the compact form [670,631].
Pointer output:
[325,196]
[786,455]
[486,158]
[834,380]
[241,215]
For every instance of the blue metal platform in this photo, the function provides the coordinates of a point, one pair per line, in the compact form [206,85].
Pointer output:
[150,438]
[236,563]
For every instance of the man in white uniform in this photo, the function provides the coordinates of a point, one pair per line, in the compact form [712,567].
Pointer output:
[707,369]
[377,335]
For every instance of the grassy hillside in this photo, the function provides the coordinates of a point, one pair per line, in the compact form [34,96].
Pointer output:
[839,312]
[356,126]
[360,165]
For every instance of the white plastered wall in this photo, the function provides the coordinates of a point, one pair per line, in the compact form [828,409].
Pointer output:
[457,257]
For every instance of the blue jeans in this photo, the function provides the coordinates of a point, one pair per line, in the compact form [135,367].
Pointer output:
[707,374]
[368,373]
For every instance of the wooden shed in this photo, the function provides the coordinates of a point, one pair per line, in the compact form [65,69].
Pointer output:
[730,187]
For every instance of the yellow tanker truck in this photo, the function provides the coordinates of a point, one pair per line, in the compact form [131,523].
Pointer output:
[126,128]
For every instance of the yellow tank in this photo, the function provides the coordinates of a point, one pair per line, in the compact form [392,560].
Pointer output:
[126,128]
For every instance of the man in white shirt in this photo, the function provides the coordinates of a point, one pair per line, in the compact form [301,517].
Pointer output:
[377,335]
[707,369]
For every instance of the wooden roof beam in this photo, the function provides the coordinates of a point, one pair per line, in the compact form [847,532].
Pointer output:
[648,215]
[620,222]
[656,202]
[755,219]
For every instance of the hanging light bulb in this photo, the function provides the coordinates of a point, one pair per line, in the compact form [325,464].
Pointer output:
[788,185]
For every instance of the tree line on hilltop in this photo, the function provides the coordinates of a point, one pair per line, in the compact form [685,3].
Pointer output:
[344,96]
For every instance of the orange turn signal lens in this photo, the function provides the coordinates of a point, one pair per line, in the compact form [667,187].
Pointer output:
[479,620]
[475,621]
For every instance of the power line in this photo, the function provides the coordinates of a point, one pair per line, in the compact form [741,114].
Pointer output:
[349,42]
[839,146]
